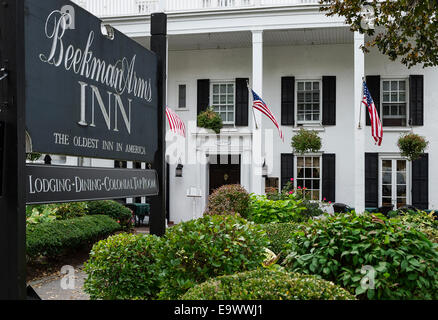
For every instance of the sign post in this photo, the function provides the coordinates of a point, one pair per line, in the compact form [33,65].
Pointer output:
[12,152]
[159,46]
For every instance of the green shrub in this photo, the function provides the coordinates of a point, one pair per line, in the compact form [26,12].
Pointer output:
[115,210]
[422,221]
[338,247]
[278,235]
[37,214]
[210,120]
[263,210]
[412,146]
[125,267]
[71,210]
[306,141]
[197,250]
[229,200]
[51,239]
[267,285]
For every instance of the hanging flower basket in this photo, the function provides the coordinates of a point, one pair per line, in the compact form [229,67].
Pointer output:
[412,146]
[306,141]
[209,119]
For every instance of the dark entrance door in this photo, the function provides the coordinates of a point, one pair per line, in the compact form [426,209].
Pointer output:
[224,170]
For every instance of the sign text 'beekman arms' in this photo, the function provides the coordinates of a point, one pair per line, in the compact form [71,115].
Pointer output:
[87,95]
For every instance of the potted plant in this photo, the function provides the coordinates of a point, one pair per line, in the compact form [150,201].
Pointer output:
[412,146]
[306,141]
[209,119]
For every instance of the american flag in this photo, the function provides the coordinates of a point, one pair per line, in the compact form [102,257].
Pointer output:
[376,125]
[175,123]
[260,105]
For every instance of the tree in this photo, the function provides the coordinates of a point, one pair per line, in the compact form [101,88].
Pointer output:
[404,29]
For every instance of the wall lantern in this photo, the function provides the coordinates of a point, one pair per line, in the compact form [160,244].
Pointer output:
[264,170]
[179,171]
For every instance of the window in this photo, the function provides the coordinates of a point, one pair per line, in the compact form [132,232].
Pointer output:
[182,89]
[223,97]
[309,175]
[394,186]
[394,103]
[308,101]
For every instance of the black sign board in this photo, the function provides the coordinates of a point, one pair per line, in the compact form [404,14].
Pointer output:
[53,184]
[89,92]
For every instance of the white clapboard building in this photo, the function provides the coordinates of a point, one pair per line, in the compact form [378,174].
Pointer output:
[309,69]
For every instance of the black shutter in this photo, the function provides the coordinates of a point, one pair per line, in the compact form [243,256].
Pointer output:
[373,84]
[287,168]
[371,180]
[329,101]
[242,100]
[203,95]
[288,101]
[420,182]
[416,100]
[329,177]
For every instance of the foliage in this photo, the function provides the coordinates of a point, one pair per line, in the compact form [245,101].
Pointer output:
[338,247]
[115,210]
[229,200]
[267,285]
[209,119]
[33,156]
[306,141]
[197,250]
[402,29]
[123,267]
[423,222]
[51,239]
[263,210]
[40,213]
[71,210]
[412,146]
[278,235]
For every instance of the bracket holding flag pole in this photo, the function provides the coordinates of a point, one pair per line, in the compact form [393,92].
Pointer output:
[359,126]
[253,113]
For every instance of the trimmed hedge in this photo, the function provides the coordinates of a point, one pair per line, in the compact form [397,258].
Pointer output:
[123,267]
[115,210]
[52,239]
[278,235]
[267,285]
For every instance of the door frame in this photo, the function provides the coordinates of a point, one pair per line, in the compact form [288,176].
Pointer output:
[395,157]
[207,191]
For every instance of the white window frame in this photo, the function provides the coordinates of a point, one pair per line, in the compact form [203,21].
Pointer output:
[394,179]
[301,122]
[406,79]
[227,82]
[308,155]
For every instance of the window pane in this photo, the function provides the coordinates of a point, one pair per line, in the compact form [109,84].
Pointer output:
[401,202]
[385,85]
[308,86]
[386,191]
[386,165]
[215,99]
[316,162]
[215,88]
[401,191]
[394,85]
[394,97]
[300,162]
[386,97]
[316,86]
[308,173]
[230,88]
[402,97]
[315,185]
[401,165]
[301,97]
[402,85]
[387,202]
[223,88]
[300,183]
[230,117]
[300,86]
[386,178]
[308,184]
[300,173]
[401,178]
[309,161]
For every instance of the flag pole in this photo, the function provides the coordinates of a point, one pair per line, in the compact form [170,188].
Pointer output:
[255,120]
[361,103]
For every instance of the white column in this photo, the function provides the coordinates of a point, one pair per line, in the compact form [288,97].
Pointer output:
[359,130]
[257,182]
[162,6]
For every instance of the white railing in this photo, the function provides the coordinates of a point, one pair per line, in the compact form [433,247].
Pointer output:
[109,8]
